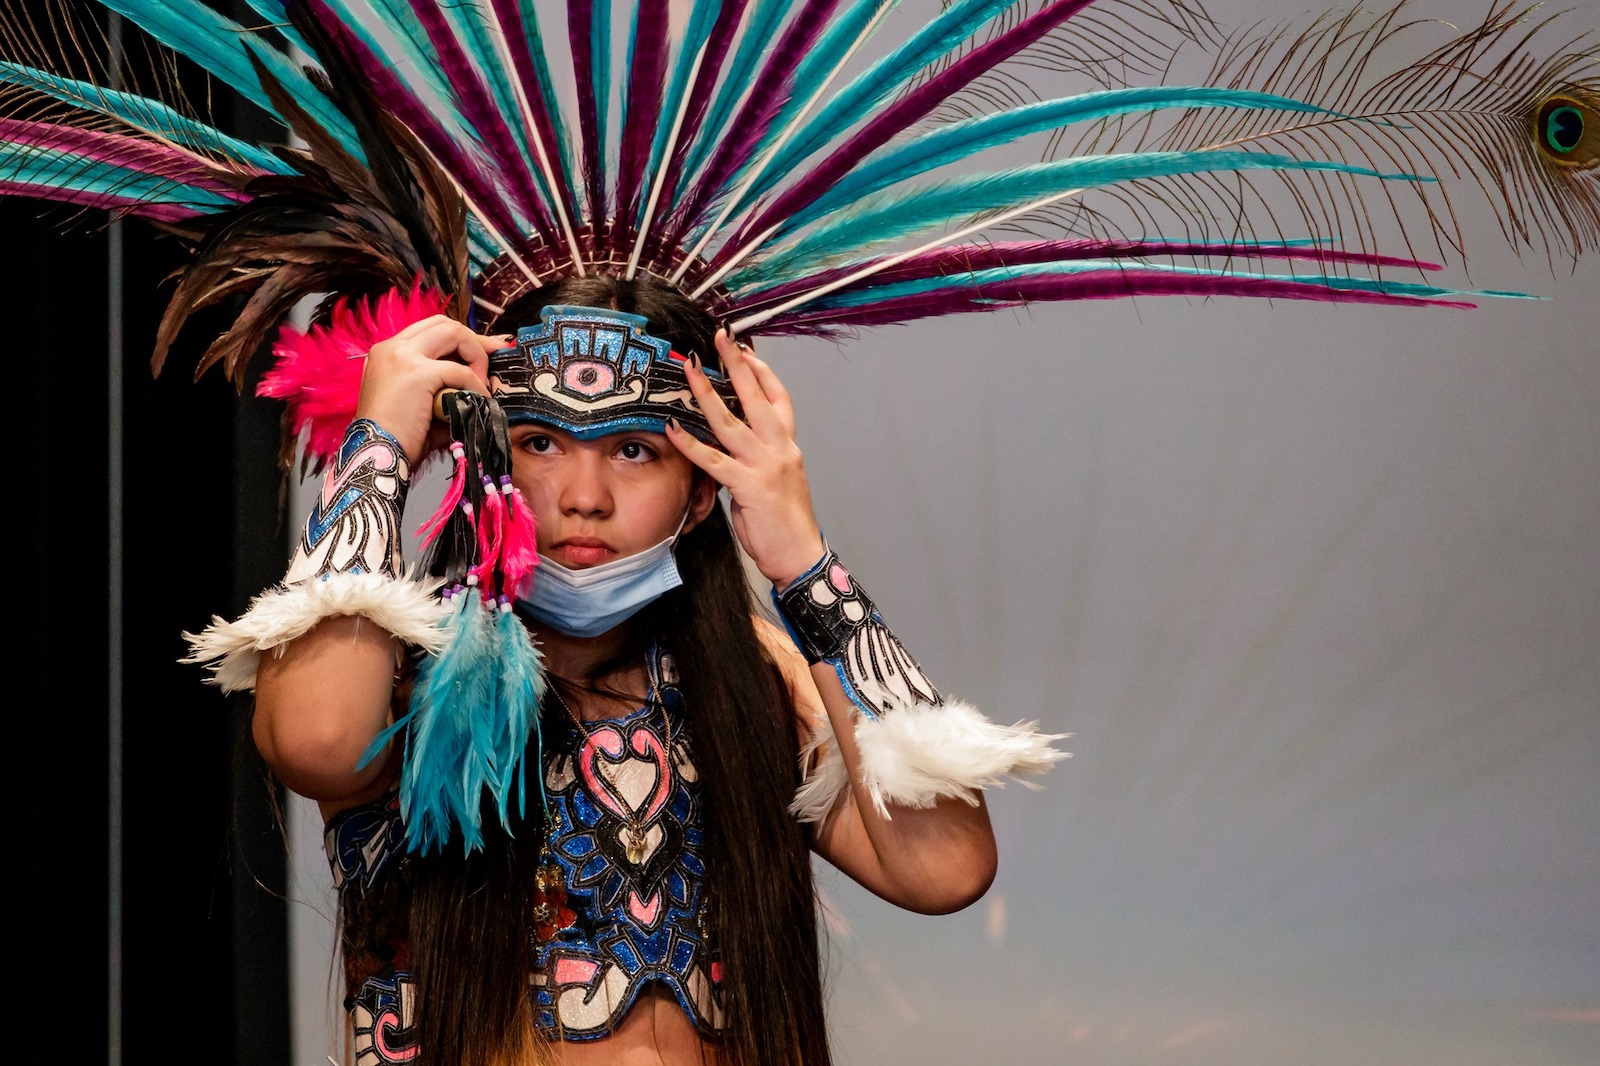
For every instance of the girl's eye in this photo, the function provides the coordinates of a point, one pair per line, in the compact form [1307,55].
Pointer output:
[538,443]
[636,451]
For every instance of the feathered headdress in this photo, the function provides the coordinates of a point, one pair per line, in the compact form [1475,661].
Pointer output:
[792,174]
[798,166]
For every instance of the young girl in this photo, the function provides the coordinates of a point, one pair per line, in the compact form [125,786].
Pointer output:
[661,904]
[623,871]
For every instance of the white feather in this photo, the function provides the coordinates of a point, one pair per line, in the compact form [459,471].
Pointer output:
[916,755]
[410,610]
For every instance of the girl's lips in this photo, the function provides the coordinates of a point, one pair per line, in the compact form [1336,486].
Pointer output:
[582,551]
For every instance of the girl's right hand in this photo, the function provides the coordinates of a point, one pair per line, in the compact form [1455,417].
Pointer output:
[403,374]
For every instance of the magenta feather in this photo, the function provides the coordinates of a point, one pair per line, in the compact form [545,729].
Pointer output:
[483,115]
[491,529]
[910,108]
[510,21]
[416,115]
[749,126]
[318,372]
[641,113]
[580,37]
[1109,284]
[965,259]
[120,150]
[429,531]
[519,547]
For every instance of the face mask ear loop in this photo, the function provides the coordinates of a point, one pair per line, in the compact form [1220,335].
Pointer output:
[682,522]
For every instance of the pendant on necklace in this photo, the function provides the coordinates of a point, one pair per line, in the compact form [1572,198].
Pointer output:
[633,840]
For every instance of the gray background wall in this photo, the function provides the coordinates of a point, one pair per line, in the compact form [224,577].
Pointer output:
[1317,591]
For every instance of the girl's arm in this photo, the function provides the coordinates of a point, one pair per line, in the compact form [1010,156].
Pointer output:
[895,820]
[323,650]
[933,860]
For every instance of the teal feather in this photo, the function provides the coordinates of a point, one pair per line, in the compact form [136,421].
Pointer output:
[564,160]
[473,709]
[407,46]
[67,171]
[898,213]
[522,684]
[942,35]
[600,83]
[218,45]
[977,279]
[960,140]
[701,21]
[142,113]
[277,17]
[438,744]
[760,30]
[843,36]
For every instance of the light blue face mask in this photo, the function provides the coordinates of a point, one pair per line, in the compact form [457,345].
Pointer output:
[591,601]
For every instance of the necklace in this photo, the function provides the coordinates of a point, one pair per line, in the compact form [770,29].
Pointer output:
[634,836]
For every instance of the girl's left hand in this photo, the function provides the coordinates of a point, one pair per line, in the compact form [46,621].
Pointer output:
[762,469]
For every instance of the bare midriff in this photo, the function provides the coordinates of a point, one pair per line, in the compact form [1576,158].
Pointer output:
[654,1032]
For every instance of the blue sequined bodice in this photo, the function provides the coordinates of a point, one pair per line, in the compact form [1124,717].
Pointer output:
[628,834]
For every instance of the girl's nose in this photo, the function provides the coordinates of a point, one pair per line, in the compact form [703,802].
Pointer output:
[585,488]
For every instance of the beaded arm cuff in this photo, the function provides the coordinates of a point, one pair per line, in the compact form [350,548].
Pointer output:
[347,562]
[832,620]
[915,747]
[354,524]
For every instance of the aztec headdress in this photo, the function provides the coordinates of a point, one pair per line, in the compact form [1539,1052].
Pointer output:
[792,173]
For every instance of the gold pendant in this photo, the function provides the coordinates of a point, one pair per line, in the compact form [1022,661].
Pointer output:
[633,840]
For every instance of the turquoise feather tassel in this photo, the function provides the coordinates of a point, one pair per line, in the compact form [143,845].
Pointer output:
[438,744]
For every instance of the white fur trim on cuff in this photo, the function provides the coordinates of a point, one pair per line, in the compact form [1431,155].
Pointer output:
[913,756]
[231,650]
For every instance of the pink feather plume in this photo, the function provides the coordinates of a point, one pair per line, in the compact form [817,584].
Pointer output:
[318,372]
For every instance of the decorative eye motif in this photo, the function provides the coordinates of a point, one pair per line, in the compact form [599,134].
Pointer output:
[588,378]
[1568,129]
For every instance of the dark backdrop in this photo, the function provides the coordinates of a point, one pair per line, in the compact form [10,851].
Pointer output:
[200,926]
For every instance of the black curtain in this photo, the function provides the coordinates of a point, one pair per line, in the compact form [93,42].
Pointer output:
[202,927]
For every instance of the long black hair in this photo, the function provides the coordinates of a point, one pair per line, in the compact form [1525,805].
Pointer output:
[468,919]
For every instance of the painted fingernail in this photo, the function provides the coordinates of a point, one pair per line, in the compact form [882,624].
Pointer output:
[672,423]
[694,361]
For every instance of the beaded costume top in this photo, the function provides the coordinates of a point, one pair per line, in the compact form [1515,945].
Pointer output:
[626,909]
